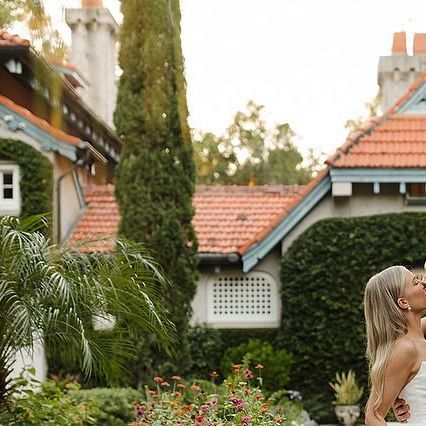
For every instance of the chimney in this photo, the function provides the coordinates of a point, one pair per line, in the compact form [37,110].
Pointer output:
[91,4]
[93,52]
[399,46]
[419,44]
[397,71]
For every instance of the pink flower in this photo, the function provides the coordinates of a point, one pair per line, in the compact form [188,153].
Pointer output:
[238,403]
[245,420]
[248,374]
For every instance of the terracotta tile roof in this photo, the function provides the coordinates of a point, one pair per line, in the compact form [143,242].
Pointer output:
[39,122]
[228,219]
[99,221]
[12,40]
[396,140]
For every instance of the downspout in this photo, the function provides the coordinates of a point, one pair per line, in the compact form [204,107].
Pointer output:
[77,164]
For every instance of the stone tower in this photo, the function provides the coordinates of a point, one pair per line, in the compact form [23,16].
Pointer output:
[398,71]
[93,52]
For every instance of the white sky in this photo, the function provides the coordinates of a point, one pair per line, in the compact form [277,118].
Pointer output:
[312,63]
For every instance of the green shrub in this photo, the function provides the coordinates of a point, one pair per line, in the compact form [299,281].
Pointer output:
[206,348]
[115,406]
[46,403]
[324,274]
[276,363]
[36,176]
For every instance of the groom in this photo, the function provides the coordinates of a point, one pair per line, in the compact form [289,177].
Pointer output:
[399,407]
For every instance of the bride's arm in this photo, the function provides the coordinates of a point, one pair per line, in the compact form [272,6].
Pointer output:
[398,370]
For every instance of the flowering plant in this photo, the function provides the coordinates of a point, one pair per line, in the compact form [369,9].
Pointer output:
[238,401]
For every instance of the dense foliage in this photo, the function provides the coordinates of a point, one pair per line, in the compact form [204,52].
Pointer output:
[47,403]
[254,352]
[206,350]
[112,406]
[44,38]
[36,176]
[250,152]
[325,271]
[54,295]
[156,173]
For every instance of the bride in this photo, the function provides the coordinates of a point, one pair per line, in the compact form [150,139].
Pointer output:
[396,348]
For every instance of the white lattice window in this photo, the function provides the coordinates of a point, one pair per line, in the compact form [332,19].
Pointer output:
[10,198]
[250,297]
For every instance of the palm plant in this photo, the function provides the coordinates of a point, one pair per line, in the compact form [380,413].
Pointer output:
[54,293]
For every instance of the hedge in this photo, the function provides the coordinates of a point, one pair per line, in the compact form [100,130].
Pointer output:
[323,277]
[36,176]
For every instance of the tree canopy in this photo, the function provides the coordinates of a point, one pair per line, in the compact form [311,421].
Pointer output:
[44,38]
[250,152]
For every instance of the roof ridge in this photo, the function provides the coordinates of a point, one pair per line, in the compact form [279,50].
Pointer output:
[353,138]
[407,94]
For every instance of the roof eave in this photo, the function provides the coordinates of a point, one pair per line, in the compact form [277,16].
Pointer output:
[257,252]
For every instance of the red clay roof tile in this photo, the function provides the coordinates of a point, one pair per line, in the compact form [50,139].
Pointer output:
[7,39]
[227,219]
[39,122]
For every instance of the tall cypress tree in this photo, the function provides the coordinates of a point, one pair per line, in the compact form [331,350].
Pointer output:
[156,175]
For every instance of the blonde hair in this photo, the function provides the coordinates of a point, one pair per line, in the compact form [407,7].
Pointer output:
[385,323]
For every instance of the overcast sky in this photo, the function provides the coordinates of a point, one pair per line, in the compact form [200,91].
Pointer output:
[312,63]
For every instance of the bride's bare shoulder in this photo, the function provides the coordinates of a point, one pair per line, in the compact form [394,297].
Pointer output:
[404,352]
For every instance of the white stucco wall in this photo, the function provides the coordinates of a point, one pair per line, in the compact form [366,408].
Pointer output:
[362,203]
[35,359]
[270,265]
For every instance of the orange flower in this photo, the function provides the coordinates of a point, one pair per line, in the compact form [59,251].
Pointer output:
[176,378]
[165,384]
[176,394]
[195,388]
[158,379]
[259,366]
[181,386]
[187,408]
[214,374]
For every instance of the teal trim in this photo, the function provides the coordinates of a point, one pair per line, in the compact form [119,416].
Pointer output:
[262,248]
[379,175]
[416,104]
[47,142]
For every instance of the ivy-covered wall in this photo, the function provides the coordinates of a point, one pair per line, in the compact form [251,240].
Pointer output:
[324,273]
[36,173]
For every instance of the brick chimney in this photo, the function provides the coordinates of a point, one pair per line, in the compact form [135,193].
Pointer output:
[399,45]
[419,44]
[397,71]
[90,4]
[93,52]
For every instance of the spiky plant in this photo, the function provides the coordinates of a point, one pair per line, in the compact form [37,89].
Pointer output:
[53,294]
[346,389]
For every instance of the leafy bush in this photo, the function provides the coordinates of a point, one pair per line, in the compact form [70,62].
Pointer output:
[115,406]
[238,401]
[325,271]
[206,348]
[277,363]
[47,403]
[36,176]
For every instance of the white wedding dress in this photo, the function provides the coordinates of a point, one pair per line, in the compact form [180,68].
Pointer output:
[414,394]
